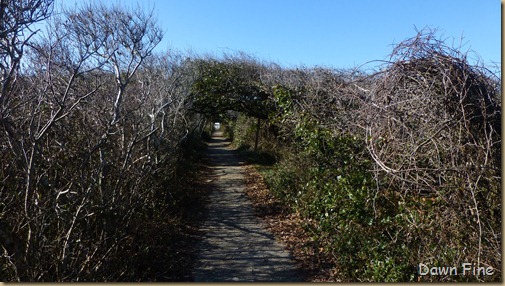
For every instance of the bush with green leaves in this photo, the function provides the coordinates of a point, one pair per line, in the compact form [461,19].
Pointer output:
[395,168]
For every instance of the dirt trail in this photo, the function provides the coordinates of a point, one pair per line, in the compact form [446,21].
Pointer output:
[236,245]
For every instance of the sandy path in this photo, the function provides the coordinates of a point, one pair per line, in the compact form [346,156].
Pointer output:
[236,246]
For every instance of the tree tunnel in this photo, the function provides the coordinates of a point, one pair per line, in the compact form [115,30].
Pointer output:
[223,89]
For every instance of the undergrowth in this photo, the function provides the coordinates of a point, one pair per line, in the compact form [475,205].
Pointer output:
[366,227]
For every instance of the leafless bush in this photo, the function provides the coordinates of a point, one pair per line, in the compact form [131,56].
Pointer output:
[433,129]
[91,137]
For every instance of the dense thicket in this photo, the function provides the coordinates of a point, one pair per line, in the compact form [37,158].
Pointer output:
[390,169]
[92,128]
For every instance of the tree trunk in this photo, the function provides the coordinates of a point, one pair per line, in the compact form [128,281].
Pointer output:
[257,136]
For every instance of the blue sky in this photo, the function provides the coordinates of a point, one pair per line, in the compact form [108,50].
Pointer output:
[331,33]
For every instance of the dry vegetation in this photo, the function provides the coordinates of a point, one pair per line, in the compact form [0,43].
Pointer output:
[392,169]
[95,129]
[381,170]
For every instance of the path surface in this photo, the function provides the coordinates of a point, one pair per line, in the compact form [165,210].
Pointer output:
[236,246]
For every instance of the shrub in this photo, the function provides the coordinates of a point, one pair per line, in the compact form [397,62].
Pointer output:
[395,168]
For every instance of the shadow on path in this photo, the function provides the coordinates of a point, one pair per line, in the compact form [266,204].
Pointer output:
[236,246]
